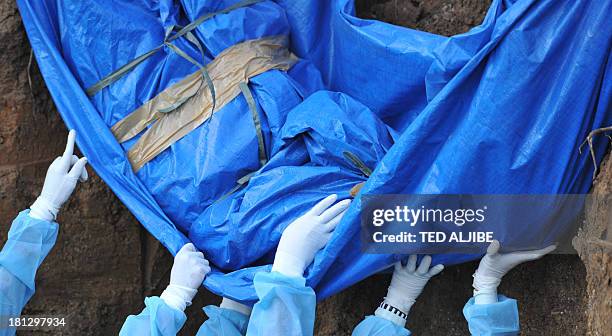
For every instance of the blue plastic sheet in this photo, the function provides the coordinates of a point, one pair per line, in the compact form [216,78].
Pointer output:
[500,109]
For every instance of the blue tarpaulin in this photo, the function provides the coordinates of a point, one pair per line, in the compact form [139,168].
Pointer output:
[501,109]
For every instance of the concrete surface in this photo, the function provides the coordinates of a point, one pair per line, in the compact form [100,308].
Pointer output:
[104,263]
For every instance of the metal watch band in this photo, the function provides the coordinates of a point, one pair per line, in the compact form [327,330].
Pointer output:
[393,310]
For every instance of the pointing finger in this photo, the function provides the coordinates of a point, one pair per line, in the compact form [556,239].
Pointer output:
[69,148]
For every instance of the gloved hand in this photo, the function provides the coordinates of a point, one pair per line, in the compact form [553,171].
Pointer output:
[306,235]
[61,179]
[495,265]
[406,285]
[188,271]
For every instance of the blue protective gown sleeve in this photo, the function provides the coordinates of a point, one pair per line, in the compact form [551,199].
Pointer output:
[285,307]
[223,322]
[29,241]
[500,318]
[377,326]
[156,319]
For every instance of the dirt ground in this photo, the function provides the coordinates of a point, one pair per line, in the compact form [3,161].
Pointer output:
[594,245]
[442,17]
[104,263]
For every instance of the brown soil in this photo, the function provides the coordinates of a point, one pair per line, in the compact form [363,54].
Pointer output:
[594,244]
[442,17]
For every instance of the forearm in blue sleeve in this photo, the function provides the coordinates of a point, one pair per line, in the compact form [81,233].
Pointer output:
[29,241]
[223,322]
[377,326]
[285,307]
[156,319]
[500,318]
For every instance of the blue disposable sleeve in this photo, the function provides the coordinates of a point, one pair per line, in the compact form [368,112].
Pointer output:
[223,322]
[286,306]
[29,241]
[500,318]
[156,319]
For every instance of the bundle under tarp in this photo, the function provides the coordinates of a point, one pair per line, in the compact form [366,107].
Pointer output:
[501,109]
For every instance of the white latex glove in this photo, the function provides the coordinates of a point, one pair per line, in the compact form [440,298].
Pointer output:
[495,265]
[61,179]
[406,285]
[188,272]
[306,235]
[235,306]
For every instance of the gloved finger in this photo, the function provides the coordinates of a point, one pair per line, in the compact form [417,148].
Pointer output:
[334,211]
[196,255]
[536,254]
[493,247]
[424,265]
[195,263]
[202,270]
[56,162]
[76,171]
[83,177]
[187,248]
[397,266]
[545,250]
[331,225]
[198,263]
[435,270]
[412,260]
[322,205]
[67,156]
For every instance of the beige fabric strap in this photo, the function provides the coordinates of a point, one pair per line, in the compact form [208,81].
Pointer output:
[191,104]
